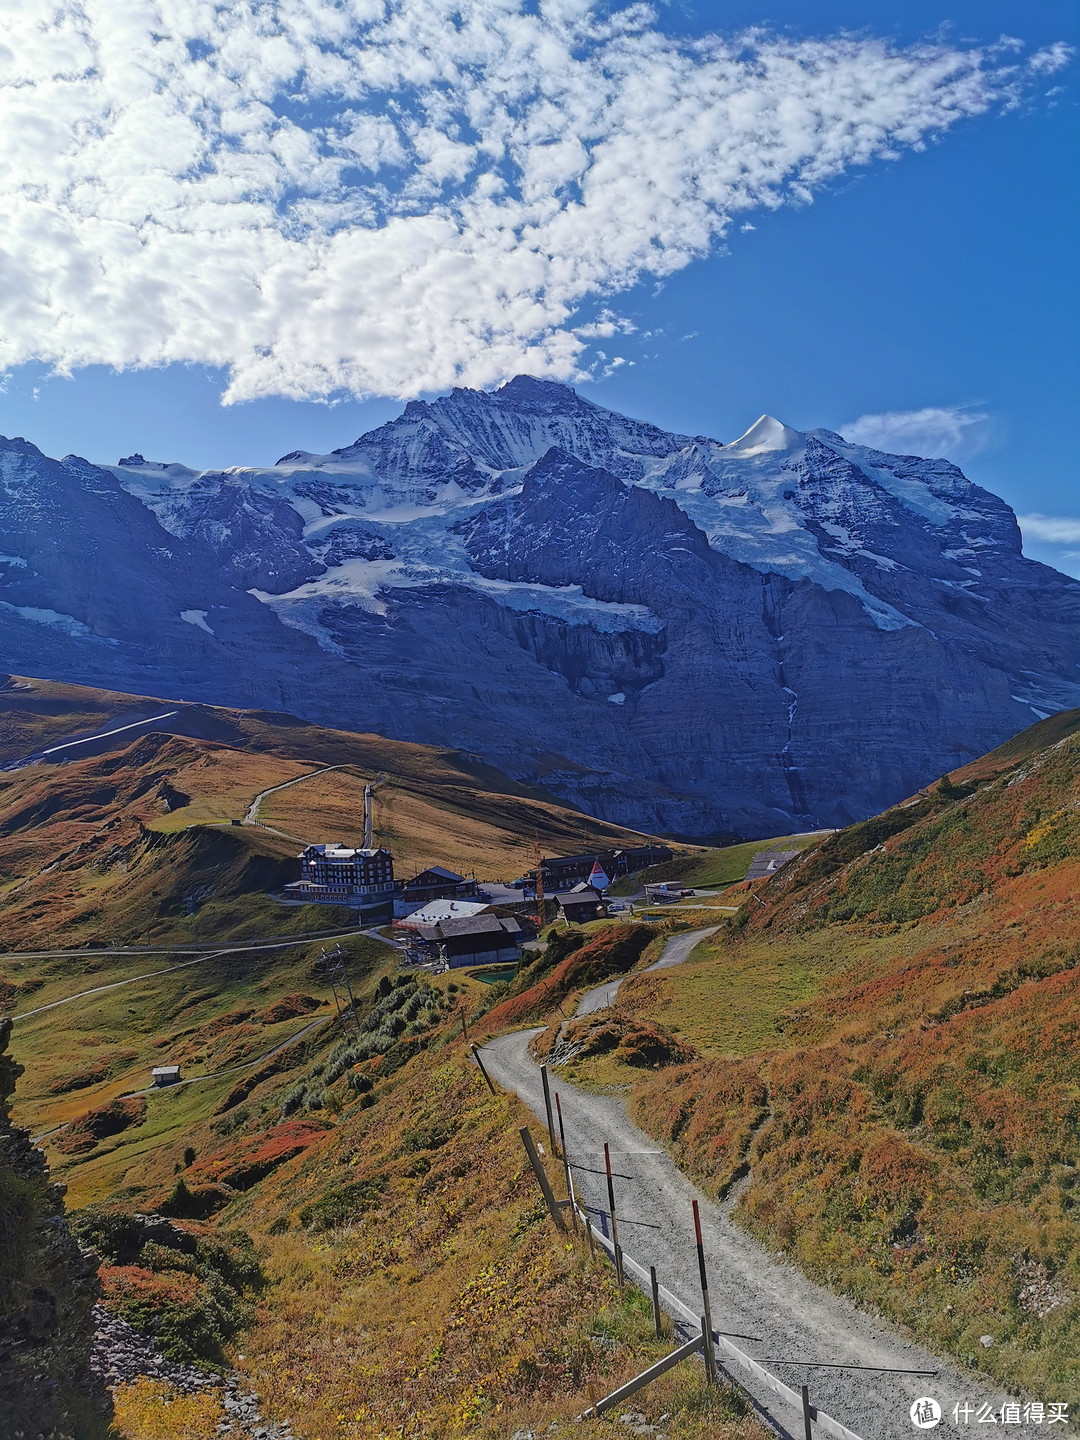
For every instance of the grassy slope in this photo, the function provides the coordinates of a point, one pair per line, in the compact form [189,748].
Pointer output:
[708,869]
[451,1303]
[103,846]
[445,1299]
[889,1049]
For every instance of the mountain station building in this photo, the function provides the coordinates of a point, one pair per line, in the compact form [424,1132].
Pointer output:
[338,874]
[565,871]
[437,883]
[581,904]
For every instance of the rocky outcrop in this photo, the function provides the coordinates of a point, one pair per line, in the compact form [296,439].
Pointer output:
[710,640]
[48,1287]
[122,1354]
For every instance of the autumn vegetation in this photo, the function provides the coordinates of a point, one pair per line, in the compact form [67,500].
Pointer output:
[876,1058]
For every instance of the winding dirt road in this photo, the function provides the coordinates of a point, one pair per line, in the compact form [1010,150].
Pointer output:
[753,1292]
[675,952]
[252,815]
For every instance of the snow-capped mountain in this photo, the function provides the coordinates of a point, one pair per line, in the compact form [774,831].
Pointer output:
[784,631]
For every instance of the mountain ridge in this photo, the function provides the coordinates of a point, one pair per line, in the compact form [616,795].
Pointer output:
[668,632]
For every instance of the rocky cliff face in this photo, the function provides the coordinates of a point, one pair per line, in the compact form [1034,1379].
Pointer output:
[48,1286]
[784,632]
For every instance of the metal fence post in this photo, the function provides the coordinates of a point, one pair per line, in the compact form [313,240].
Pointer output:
[566,1166]
[655,1301]
[611,1212]
[710,1354]
[807,1431]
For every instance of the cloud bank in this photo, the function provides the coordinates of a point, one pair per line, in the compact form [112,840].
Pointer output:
[392,196]
[1053,529]
[952,432]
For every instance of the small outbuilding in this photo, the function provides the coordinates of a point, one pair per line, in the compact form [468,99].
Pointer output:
[665,892]
[165,1075]
[581,904]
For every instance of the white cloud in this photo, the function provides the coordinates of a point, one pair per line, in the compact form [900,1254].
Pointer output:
[1054,529]
[953,432]
[391,196]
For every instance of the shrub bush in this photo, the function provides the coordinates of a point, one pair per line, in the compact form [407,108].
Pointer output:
[189,1290]
[341,1204]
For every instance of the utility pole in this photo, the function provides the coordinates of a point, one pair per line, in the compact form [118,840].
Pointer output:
[539,864]
[334,965]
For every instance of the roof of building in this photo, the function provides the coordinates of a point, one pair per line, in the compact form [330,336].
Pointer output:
[336,851]
[436,911]
[584,889]
[556,861]
[439,872]
[472,925]
[165,1070]
[766,863]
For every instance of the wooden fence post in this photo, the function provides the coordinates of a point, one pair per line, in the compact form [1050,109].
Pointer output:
[547,1107]
[541,1177]
[655,1301]
[483,1071]
[599,1407]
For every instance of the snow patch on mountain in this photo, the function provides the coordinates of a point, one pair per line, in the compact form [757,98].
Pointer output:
[197,618]
[54,619]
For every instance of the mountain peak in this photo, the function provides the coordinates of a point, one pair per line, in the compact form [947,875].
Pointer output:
[529,388]
[766,436]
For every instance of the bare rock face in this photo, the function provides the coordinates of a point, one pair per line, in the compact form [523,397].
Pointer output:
[48,1287]
[710,640]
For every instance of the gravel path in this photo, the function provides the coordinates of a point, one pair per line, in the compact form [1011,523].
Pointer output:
[252,815]
[675,952]
[752,1292]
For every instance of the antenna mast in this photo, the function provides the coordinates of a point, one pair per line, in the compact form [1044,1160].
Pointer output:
[539,864]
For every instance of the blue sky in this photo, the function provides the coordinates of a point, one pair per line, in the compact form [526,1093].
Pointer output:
[940,284]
